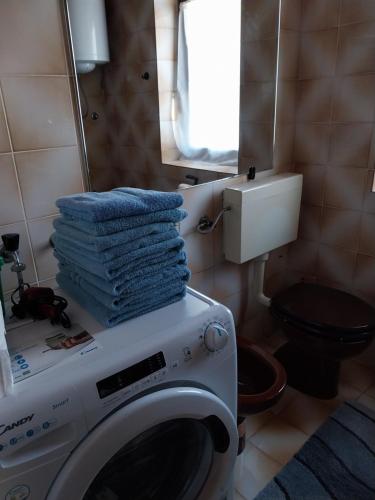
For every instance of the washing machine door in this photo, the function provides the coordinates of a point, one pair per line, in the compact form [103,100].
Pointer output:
[173,444]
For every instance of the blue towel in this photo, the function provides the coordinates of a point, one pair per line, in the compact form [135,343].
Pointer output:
[113,252]
[121,202]
[132,297]
[110,318]
[100,243]
[126,263]
[137,279]
[115,225]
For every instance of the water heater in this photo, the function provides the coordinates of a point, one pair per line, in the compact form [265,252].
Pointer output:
[89,33]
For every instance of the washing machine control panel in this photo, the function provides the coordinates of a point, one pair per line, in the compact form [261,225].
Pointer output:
[215,337]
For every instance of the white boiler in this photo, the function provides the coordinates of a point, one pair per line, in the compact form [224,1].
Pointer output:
[89,33]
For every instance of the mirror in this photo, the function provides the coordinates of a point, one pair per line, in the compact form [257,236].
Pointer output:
[128,98]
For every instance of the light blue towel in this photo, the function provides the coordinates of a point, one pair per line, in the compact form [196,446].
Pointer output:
[139,278]
[110,318]
[132,297]
[115,225]
[86,251]
[127,263]
[100,243]
[121,202]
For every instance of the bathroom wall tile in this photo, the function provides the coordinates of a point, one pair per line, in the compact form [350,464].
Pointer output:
[45,176]
[288,54]
[336,265]
[313,183]
[356,49]
[350,145]
[364,277]
[8,277]
[320,14]
[345,187]
[358,11]
[255,422]
[257,102]
[259,60]
[198,202]
[303,256]
[367,238]
[279,440]
[369,200]
[286,103]
[354,99]
[203,282]
[306,413]
[40,233]
[39,111]
[147,44]
[33,31]
[312,143]
[166,44]
[11,208]
[314,100]
[199,249]
[165,75]
[165,13]
[310,223]
[318,54]
[291,14]
[259,469]
[341,228]
[256,143]
[259,19]
[4,138]
[283,147]
[230,278]
[93,82]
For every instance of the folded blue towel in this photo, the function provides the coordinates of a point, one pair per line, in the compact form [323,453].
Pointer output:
[110,318]
[132,297]
[100,243]
[115,225]
[118,265]
[112,253]
[121,202]
[139,278]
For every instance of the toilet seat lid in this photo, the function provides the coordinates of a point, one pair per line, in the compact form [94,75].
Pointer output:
[326,309]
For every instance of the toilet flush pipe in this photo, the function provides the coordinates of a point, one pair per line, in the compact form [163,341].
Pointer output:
[259,269]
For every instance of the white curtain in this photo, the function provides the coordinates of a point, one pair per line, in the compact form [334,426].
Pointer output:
[206,102]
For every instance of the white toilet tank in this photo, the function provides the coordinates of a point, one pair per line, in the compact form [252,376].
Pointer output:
[263,215]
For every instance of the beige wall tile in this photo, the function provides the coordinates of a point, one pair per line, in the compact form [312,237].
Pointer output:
[9,278]
[345,187]
[39,111]
[4,138]
[259,60]
[11,207]
[364,277]
[318,54]
[231,278]
[310,223]
[313,183]
[314,102]
[31,39]
[257,102]
[336,265]
[302,256]
[341,228]
[319,14]
[259,19]
[350,145]
[356,49]
[198,201]
[367,240]
[354,99]
[312,143]
[369,200]
[46,175]
[360,10]
[288,54]
[199,249]
[40,233]
[165,13]
[291,14]
[203,282]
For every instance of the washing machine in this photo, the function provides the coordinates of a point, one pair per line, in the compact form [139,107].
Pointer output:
[146,411]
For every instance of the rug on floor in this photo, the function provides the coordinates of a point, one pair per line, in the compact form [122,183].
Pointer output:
[337,462]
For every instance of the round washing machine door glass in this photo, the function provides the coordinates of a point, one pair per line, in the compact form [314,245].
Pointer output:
[173,444]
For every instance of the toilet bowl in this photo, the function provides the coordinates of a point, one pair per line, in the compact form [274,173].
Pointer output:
[261,378]
[324,326]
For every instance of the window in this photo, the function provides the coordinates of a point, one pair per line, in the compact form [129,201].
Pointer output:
[206,103]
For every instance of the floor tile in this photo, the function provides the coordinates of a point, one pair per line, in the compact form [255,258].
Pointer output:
[371,391]
[286,399]
[279,440]
[347,392]
[306,413]
[358,376]
[256,422]
[367,401]
[258,470]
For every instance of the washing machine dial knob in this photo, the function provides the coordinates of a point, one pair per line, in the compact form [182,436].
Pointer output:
[215,337]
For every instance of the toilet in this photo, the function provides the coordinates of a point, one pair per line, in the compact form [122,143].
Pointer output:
[324,326]
[261,378]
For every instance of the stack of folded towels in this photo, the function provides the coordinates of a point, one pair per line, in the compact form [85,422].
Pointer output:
[120,254]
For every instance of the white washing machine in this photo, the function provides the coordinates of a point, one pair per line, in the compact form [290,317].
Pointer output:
[148,413]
